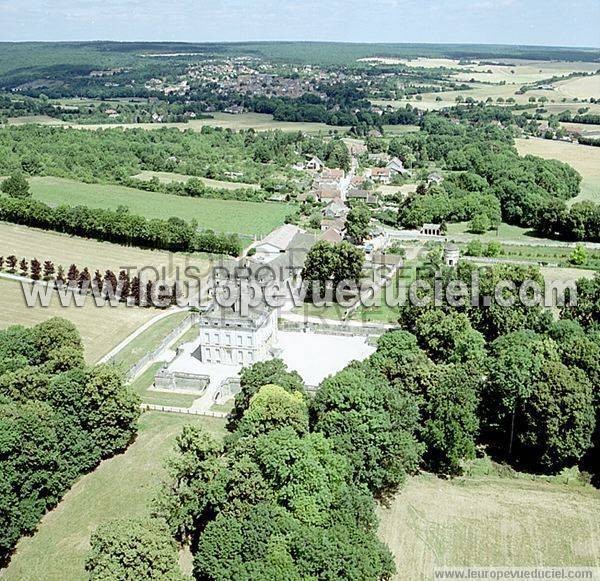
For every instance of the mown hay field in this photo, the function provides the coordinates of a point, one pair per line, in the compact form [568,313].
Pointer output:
[490,521]
[25,242]
[584,158]
[101,328]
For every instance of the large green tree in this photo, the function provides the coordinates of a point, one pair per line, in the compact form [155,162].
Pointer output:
[131,550]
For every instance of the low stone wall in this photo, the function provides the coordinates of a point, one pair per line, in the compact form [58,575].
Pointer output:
[344,330]
[228,389]
[185,411]
[181,382]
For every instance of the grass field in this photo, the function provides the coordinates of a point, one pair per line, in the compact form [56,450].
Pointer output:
[66,250]
[490,521]
[101,328]
[167,177]
[504,232]
[149,340]
[585,159]
[249,218]
[120,487]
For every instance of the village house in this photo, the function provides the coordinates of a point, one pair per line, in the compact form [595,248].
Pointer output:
[337,223]
[314,164]
[332,235]
[381,175]
[335,209]
[356,194]
[333,175]
[396,166]
[327,192]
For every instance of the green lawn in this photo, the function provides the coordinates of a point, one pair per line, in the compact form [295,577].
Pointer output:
[149,340]
[504,232]
[249,218]
[119,488]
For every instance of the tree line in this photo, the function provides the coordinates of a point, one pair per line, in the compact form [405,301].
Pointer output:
[108,285]
[119,226]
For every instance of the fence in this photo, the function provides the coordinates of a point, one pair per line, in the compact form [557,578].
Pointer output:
[186,411]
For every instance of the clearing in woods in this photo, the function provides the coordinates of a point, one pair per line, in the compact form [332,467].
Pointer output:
[101,328]
[120,487]
[246,218]
[490,521]
[584,158]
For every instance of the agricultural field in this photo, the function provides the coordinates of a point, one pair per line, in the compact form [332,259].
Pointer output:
[63,249]
[584,158]
[490,521]
[256,121]
[168,177]
[101,328]
[245,218]
[120,487]
[585,129]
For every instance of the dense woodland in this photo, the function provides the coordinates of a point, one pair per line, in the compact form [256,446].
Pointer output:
[58,419]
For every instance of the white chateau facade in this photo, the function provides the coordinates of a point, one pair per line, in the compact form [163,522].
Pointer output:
[230,339]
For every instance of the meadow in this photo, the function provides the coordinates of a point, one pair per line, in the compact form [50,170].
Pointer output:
[65,250]
[101,328]
[120,487]
[490,520]
[245,218]
[256,121]
[585,159]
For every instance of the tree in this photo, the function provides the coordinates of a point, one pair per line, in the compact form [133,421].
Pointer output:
[329,264]
[273,407]
[357,222]
[372,424]
[23,267]
[54,333]
[49,269]
[537,412]
[36,269]
[31,477]
[16,186]
[480,224]
[449,337]
[450,419]
[133,549]
[579,256]
[272,371]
